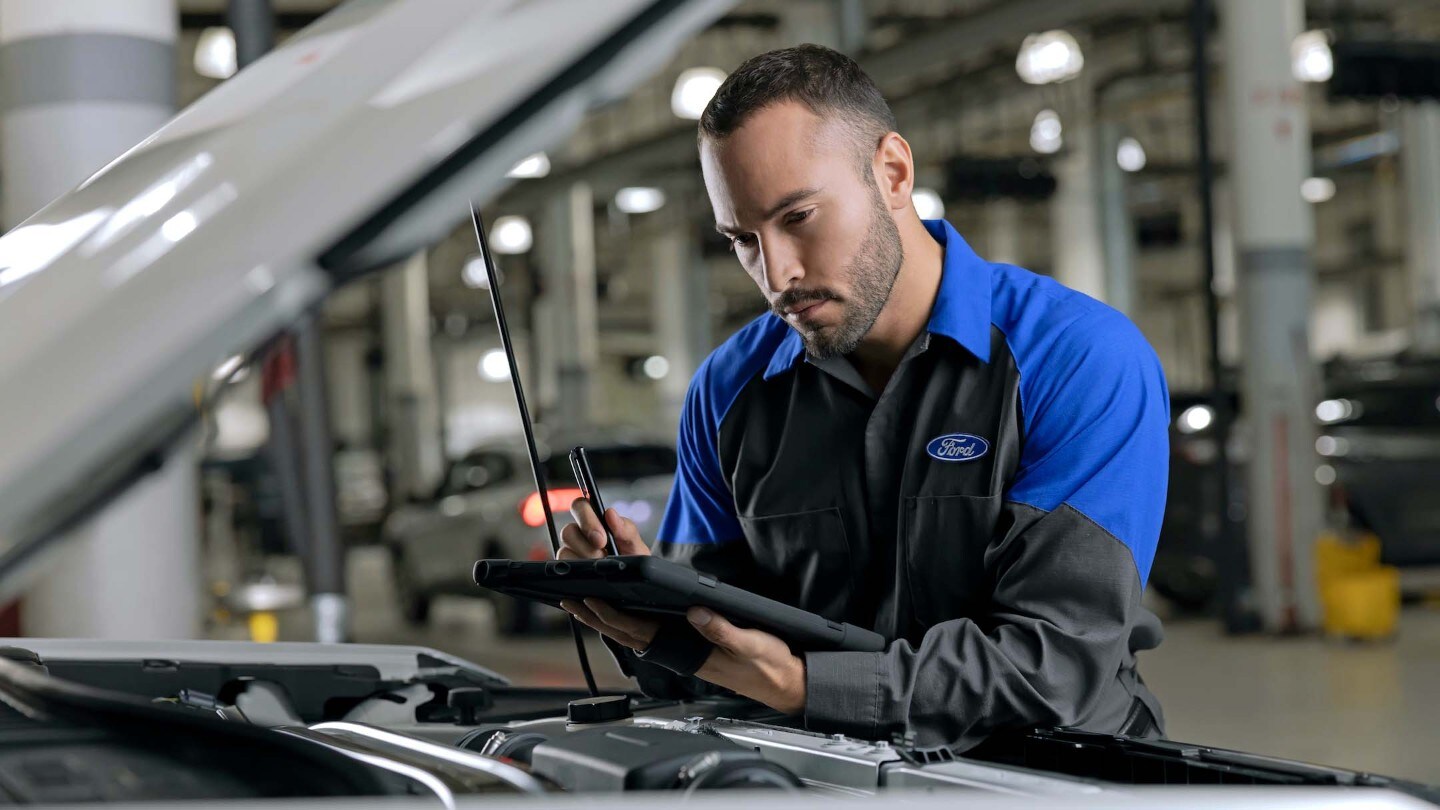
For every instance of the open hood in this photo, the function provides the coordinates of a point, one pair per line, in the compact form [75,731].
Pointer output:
[354,145]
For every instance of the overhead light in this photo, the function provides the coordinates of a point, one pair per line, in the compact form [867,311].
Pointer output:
[1046,133]
[1325,475]
[693,90]
[1317,189]
[179,226]
[928,203]
[1336,410]
[656,367]
[1130,155]
[1310,57]
[474,274]
[494,366]
[215,53]
[509,236]
[1053,56]
[532,167]
[639,199]
[1196,418]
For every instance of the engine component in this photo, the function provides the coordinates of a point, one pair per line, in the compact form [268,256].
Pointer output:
[636,758]
[602,709]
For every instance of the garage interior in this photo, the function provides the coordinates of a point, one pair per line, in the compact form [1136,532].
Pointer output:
[1298,571]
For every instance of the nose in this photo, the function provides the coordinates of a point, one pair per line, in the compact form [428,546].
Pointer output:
[780,263]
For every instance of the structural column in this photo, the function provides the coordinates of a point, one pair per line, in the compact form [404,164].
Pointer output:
[570,349]
[1117,229]
[1079,253]
[82,81]
[1002,231]
[1274,233]
[680,304]
[412,394]
[1420,159]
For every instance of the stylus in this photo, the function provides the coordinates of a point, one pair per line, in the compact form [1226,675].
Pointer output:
[580,464]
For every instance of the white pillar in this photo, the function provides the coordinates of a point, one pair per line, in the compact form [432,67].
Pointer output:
[410,386]
[569,347]
[1079,255]
[1115,223]
[82,81]
[1420,159]
[680,307]
[1274,232]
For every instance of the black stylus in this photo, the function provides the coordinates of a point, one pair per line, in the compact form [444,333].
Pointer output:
[580,464]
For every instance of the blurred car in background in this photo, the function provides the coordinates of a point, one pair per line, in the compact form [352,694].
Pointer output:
[487,506]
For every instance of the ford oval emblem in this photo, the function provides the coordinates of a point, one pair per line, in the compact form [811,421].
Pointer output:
[957,447]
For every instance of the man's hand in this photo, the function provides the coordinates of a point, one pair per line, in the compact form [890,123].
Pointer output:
[752,663]
[585,540]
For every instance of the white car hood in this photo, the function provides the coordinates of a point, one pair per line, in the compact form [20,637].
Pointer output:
[357,143]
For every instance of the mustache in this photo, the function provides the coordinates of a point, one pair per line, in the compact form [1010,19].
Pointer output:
[791,299]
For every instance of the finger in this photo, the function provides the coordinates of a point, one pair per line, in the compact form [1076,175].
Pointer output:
[630,624]
[588,618]
[582,546]
[719,631]
[627,534]
[588,522]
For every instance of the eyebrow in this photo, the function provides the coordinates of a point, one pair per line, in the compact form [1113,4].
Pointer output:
[784,202]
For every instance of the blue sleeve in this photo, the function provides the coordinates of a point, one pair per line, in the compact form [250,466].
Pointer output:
[701,508]
[1096,429]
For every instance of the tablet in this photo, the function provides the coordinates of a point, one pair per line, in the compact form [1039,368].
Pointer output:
[645,584]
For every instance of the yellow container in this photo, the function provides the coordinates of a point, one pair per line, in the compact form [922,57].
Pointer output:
[1362,604]
[1336,555]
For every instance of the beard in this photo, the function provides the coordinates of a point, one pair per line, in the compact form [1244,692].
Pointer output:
[871,274]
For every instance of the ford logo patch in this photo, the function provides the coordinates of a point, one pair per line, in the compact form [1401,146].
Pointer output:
[957,447]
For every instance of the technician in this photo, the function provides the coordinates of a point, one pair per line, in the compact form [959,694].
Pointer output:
[965,456]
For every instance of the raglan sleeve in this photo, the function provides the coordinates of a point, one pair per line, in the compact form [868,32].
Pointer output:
[1068,558]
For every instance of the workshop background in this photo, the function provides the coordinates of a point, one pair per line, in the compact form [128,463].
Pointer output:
[1256,184]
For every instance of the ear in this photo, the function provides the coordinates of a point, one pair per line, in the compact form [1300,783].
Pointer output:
[894,171]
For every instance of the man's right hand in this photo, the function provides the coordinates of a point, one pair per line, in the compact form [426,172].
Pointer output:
[585,540]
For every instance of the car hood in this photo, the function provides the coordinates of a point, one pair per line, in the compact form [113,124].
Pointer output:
[357,143]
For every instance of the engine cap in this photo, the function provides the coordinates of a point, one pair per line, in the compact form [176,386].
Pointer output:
[602,709]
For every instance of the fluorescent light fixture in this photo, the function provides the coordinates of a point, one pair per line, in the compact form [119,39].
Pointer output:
[534,166]
[1196,418]
[1046,133]
[1336,410]
[1049,57]
[1130,155]
[928,203]
[656,367]
[179,226]
[639,199]
[1310,57]
[31,248]
[693,90]
[215,53]
[1317,189]
[509,236]
[494,366]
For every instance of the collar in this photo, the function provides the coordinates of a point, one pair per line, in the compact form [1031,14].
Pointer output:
[962,305]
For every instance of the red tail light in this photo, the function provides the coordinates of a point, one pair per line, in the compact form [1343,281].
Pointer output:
[533,512]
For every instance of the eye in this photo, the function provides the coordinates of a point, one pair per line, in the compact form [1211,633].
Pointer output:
[743,240]
[796,217]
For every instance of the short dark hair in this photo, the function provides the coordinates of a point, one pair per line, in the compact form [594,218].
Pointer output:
[830,83]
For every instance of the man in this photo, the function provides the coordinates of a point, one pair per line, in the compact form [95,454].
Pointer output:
[966,457]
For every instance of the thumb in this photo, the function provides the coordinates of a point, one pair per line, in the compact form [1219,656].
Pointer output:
[715,628]
[627,534]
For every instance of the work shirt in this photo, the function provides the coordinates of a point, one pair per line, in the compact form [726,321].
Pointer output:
[994,510]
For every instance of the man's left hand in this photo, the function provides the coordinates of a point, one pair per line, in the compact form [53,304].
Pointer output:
[752,663]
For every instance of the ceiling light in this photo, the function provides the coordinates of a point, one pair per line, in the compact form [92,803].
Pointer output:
[1130,155]
[1196,418]
[532,167]
[639,199]
[656,367]
[1336,410]
[215,53]
[928,203]
[1317,189]
[1310,58]
[1045,133]
[510,235]
[474,274]
[494,366]
[1053,56]
[693,91]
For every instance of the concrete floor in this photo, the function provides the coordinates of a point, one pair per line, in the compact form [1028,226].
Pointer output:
[1372,707]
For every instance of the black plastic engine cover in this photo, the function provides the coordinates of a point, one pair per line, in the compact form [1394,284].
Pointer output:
[630,758]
